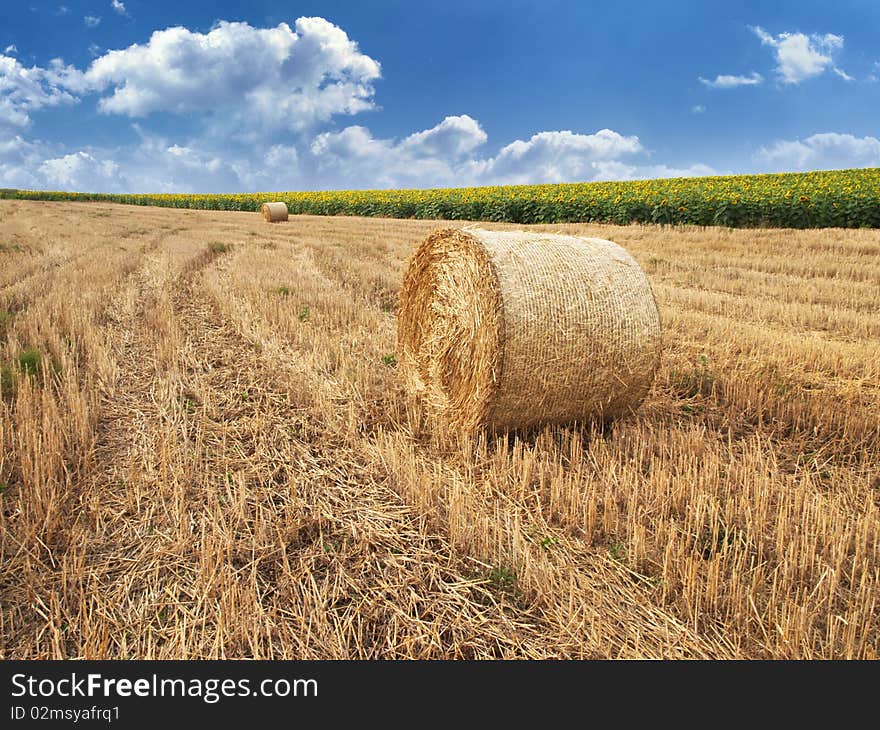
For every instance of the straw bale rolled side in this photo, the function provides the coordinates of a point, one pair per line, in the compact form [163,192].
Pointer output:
[274,212]
[512,329]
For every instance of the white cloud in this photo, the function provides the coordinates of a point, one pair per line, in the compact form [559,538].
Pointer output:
[434,157]
[119,7]
[12,114]
[18,161]
[698,109]
[727,81]
[92,21]
[251,79]
[280,155]
[800,57]
[62,10]
[453,137]
[350,158]
[79,171]
[152,165]
[235,83]
[825,151]
[557,156]
[23,90]
[354,158]
[10,49]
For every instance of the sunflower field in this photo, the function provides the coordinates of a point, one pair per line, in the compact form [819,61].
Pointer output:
[839,198]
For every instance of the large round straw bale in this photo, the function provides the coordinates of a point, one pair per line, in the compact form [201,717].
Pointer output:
[510,329]
[274,212]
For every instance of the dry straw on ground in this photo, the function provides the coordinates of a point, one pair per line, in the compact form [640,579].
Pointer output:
[274,212]
[512,329]
[216,458]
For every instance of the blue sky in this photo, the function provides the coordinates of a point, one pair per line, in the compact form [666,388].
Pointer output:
[220,96]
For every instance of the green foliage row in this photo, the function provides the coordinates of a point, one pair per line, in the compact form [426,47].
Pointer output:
[839,198]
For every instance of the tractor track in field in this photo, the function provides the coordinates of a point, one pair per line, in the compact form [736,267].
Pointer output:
[366,527]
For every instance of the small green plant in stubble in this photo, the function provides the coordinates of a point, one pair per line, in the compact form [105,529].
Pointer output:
[28,364]
[390,359]
[7,382]
[698,381]
[502,579]
[29,361]
[303,314]
[218,247]
[617,551]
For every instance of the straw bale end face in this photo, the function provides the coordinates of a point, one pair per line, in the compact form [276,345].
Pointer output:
[274,212]
[512,329]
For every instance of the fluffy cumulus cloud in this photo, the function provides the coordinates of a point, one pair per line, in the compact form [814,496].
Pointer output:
[254,79]
[118,7]
[557,157]
[19,161]
[452,138]
[353,155]
[234,83]
[349,158]
[354,158]
[45,165]
[160,165]
[78,171]
[23,90]
[435,156]
[154,164]
[800,56]
[728,81]
[826,151]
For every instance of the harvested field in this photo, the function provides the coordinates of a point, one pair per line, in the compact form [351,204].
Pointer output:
[206,452]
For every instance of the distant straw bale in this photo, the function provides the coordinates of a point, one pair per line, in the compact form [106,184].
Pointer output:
[274,212]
